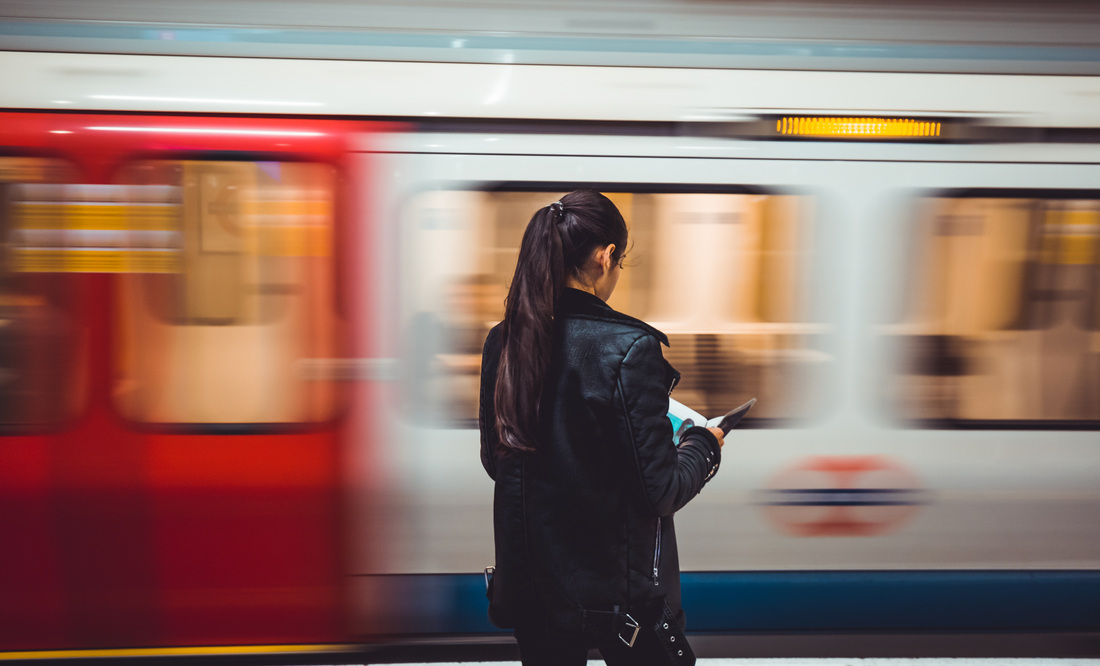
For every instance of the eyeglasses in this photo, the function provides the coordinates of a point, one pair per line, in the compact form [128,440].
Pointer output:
[620,261]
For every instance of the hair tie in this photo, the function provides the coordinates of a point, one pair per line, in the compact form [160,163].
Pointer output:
[557,209]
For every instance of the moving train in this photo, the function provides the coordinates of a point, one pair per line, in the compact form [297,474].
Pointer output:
[242,304]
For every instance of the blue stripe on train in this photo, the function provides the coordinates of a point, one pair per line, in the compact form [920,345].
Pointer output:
[892,600]
[793,601]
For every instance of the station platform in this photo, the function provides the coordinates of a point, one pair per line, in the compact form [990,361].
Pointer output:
[838,662]
[1007,648]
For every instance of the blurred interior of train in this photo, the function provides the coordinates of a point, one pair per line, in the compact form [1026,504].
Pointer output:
[39,342]
[1001,317]
[226,285]
[726,276]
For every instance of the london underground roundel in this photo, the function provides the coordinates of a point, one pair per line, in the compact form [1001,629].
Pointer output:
[825,496]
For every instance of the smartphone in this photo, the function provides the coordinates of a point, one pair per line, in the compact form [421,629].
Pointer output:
[734,416]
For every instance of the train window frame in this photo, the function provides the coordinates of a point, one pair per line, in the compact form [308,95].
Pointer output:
[336,301]
[826,403]
[908,228]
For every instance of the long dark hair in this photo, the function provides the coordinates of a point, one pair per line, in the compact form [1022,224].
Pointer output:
[558,243]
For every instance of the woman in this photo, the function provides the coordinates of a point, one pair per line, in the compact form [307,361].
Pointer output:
[574,432]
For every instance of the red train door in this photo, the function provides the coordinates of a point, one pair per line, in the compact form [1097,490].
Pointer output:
[169,468]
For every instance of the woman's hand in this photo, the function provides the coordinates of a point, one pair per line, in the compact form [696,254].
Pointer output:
[717,432]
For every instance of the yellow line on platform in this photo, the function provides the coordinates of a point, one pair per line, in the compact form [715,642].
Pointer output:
[173,651]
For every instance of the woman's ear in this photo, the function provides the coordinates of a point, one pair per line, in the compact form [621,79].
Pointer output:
[606,257]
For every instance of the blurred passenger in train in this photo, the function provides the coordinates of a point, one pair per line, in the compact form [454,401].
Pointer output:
[575,433]
[445,349]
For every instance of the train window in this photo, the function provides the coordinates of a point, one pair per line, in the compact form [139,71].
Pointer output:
[41,339]
[217,331]
[1001,325]
[725,275]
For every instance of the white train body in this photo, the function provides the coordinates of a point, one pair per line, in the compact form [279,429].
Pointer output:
[978,498]
[956,496]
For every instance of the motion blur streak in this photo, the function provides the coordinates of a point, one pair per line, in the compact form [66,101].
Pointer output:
[191,100]
[204,130]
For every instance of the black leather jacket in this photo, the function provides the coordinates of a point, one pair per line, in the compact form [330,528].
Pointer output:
[585,522]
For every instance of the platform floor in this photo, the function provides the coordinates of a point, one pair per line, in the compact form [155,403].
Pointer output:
[838,662]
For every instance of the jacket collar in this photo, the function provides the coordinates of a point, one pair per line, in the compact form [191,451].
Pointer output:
[583,305]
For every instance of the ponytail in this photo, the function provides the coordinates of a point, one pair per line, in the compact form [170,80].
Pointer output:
[556,245]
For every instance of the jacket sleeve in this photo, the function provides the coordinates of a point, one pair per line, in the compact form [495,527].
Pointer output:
[670,476]
[486,413]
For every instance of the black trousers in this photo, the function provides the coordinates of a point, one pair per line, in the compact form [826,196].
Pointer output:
[536,649]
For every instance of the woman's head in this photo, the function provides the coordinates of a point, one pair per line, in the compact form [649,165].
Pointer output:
[579,240]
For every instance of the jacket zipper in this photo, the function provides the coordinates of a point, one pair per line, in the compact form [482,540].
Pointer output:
[657,553]
[657,545]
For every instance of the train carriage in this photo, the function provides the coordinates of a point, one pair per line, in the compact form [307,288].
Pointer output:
[174,290]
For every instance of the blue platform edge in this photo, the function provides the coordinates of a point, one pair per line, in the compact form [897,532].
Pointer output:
[810,601]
